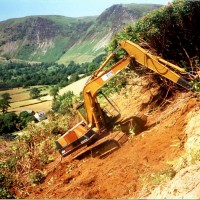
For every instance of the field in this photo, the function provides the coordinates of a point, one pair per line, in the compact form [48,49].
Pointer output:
[76,87]
[20,98]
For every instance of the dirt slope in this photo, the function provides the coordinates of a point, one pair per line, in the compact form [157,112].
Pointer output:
[131,171]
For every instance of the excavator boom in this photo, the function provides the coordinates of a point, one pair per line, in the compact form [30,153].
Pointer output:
[154,63]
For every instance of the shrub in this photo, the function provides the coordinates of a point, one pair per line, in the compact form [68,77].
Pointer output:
[34,93]
[25,118]
[22,164]
[170,32]
[8,122]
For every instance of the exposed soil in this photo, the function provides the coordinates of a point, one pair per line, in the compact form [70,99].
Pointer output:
[126,172]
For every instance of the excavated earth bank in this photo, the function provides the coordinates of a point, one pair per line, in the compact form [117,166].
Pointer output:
[171,131]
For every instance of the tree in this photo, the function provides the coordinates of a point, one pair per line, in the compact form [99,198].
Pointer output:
[25,118]
[74,77]
[4,102]
[6,96]
[34,93]
[54,92]
[8,122]
[64,103]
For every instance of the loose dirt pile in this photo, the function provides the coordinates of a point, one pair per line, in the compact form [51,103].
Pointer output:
[148,158]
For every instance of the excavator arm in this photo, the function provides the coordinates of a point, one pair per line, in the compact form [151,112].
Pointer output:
[90,92]
[154,63]
[141,56]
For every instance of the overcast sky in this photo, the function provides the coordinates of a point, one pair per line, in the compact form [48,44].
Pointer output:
[71,8]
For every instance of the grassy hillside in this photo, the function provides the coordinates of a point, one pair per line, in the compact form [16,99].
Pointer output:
[62,39]
[101,31]
[40,38]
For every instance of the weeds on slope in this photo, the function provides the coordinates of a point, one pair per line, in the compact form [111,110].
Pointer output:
[22,164]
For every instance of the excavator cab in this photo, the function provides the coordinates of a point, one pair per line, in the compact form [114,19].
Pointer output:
[75,138]
[105,108]
[109,109]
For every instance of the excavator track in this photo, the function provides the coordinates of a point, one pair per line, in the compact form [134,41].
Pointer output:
[103,146]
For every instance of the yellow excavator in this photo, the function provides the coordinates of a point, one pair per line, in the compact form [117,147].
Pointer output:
[95,119]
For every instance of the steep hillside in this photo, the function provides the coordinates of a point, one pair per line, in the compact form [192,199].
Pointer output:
[40,38]
[147,159]
[111,21]
[52,38]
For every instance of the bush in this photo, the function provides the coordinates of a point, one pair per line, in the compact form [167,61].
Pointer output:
[8,122]
[170,32]
[34,93]
[22,164]
[64,103]
[25,118]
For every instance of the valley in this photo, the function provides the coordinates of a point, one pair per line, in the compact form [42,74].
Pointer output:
[156,153]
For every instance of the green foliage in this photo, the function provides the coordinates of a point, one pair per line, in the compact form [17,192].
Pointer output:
[37,178]
[54,91]
[4,105]
[5,182]
[5,194]
[64,103]
[170,32]
[26,51]
[25,118]
[4,102]
[34,93]
[24,74]
[8,122]
[22,164]
[11,122]
[196,85]
[6,96]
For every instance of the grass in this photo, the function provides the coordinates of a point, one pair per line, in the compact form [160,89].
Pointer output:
[20,100]
[76,87]
[52,53]
[54,49]
[81,53]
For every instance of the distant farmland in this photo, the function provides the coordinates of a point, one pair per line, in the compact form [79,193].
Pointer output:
[21,100]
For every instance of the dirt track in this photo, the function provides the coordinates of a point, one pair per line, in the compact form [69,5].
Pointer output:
[127,172]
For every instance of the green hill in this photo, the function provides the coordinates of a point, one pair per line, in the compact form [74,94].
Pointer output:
[62,39]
